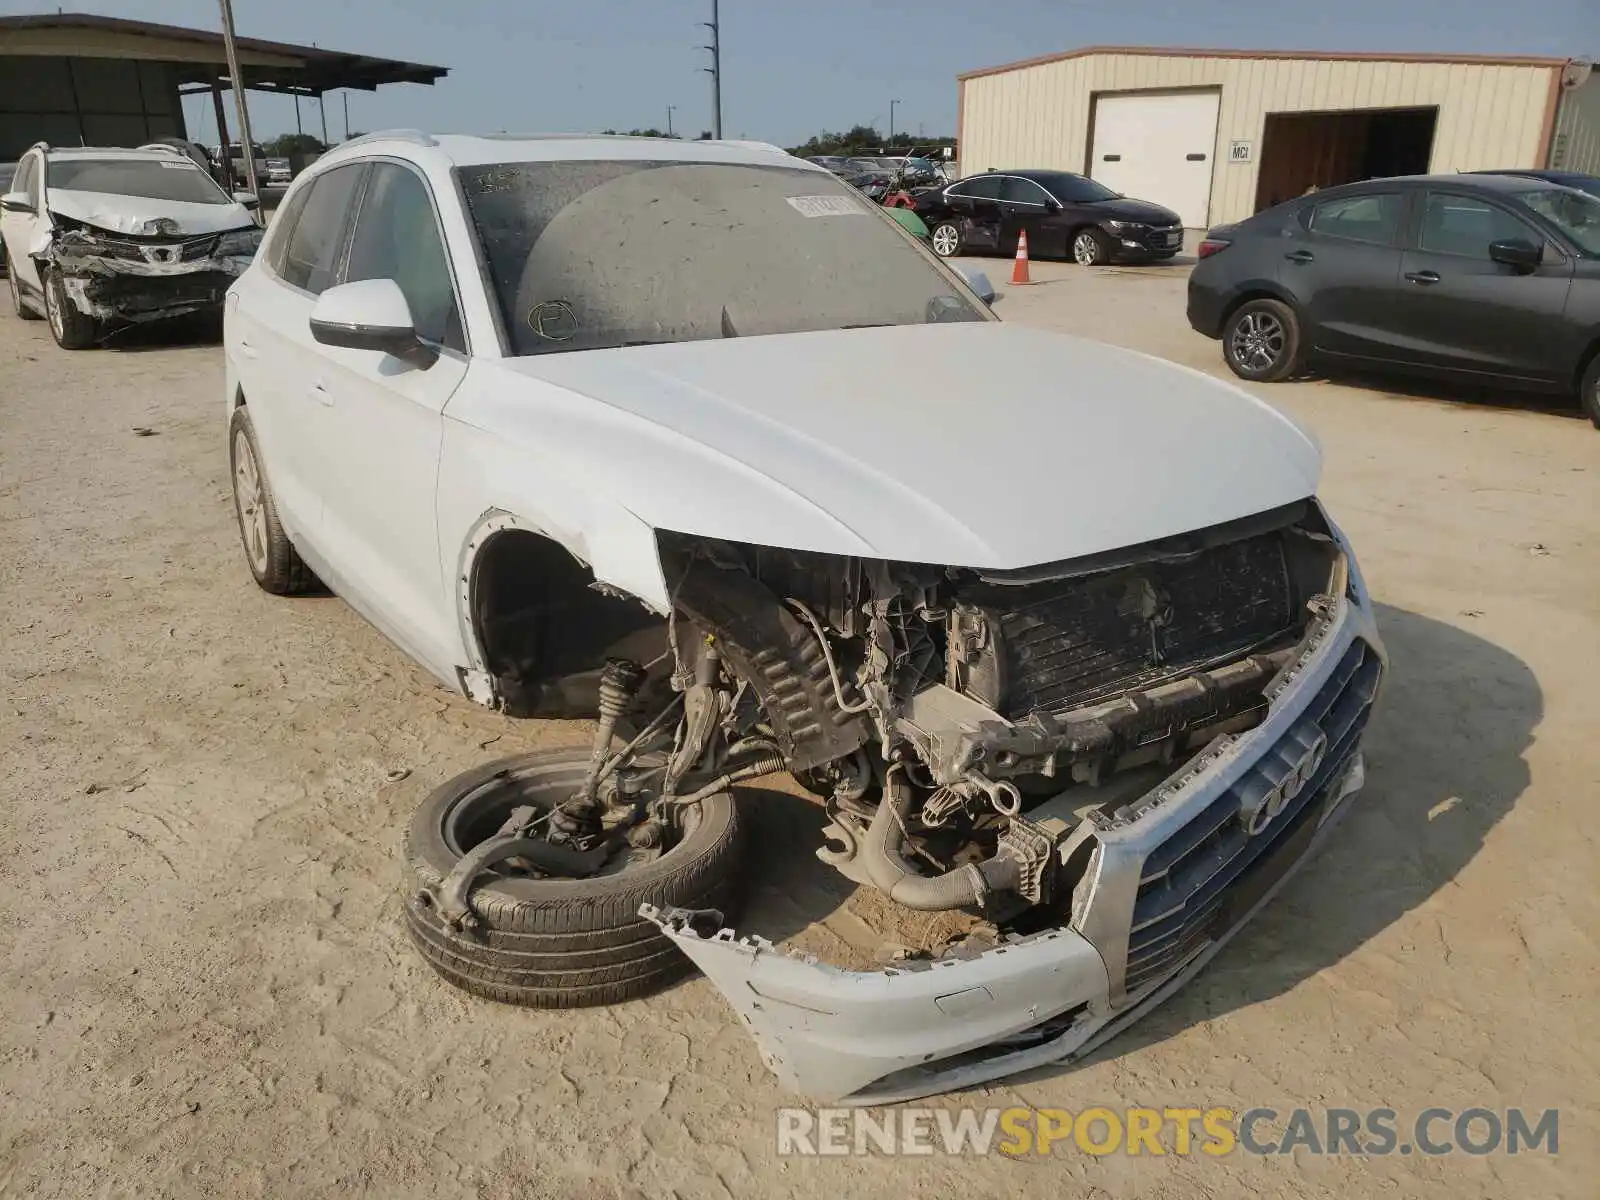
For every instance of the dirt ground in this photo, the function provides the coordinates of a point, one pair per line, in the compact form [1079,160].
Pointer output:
[206,989]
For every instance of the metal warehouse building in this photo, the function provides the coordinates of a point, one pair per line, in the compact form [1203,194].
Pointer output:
[1219,134]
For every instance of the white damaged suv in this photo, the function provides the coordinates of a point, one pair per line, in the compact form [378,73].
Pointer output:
[1061,641]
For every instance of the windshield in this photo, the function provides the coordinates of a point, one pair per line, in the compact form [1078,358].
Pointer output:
[1575,213]
[1073,189]
[589,255]
[173,179]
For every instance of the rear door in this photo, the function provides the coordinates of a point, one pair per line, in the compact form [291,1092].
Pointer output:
[976,203]
[385,423]
[275,356]
[1341,262]
[1024,205]
[1465,312]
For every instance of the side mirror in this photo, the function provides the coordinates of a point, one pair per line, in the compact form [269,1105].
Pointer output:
[1516,252]
[17,202]
[249,199]
[979,283]
[370,315]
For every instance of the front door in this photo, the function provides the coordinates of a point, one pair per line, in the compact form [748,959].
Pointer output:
[976,204]
[1341,263]
[1465,312]
[386,425]
[24,232]
[1024,205]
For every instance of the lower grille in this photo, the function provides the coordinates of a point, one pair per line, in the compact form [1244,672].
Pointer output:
[1207,876]
[1054,646]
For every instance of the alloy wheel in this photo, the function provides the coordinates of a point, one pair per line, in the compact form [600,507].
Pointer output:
[1085,249]
[946,240]
[1258,340]
[247,495]
[52,307]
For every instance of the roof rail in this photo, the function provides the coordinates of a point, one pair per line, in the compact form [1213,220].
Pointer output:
[415,136]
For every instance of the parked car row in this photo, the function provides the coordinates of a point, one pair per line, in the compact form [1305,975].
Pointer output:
[1476,278]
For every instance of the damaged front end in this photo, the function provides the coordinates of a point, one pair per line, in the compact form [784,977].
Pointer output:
[118,279]
[1113,761]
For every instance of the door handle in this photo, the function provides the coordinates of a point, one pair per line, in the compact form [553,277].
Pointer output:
[1301,256]
[321,394]
[1425,278]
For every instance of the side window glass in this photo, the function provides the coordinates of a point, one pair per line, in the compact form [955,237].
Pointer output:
[1360,218]
[397,237]
[986,188]
[24,180]
[1462,225]
[1022,191]
[282,229]
[311,258]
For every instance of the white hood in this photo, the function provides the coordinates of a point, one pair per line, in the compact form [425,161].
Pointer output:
[128,214]
[978,445]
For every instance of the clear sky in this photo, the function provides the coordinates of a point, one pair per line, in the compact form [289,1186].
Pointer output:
[791,67]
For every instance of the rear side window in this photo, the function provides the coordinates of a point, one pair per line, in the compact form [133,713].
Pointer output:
[987,188]
[281,230]
[1463,225]
[311,259]
[1374,218]
[25,174]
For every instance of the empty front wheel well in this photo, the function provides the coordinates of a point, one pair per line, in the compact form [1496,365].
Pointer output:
[543,629]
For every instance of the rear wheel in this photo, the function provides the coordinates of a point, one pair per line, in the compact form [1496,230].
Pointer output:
[1261,341]
[1589,390]
[17,302]
[947,239]
[274,562]
[542,940]
[72,329]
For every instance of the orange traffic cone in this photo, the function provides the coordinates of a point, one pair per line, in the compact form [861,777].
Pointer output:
[1019,272]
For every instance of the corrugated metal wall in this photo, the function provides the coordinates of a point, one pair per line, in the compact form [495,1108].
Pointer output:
[1576,145]
[1038,116]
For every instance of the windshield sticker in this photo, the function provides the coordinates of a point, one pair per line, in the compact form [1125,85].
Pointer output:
[826,206]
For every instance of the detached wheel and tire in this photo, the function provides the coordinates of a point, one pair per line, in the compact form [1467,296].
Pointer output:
[1261,341]
[546,942]
[274,562]
[1090,248]
[947,239]
[71,328]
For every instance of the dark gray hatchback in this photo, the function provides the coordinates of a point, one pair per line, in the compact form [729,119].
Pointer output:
[1474,278]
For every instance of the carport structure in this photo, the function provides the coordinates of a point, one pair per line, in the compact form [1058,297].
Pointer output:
[83,79]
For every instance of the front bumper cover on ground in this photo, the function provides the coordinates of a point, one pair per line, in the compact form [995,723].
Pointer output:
[929,1027]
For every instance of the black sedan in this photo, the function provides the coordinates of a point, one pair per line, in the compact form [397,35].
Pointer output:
[1476,278]
[1064,215]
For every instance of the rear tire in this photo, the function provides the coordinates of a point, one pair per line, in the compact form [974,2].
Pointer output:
[18,304]
[558,943]
[1261,341]
[1589,390]
[274,562]
[946,238]
[72,329]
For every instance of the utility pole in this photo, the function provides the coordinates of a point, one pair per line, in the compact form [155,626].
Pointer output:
[346,97]
[297,127]
[322,111]
[237,79]
[892,103]
[715,70]
[670,107]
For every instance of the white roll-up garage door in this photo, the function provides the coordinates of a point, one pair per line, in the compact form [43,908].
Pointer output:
[1159,147]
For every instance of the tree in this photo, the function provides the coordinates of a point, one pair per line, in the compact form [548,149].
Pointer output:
[864,139]
[293,143]
[651,132]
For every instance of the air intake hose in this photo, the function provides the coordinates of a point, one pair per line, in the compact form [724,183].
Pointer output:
[964,887]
